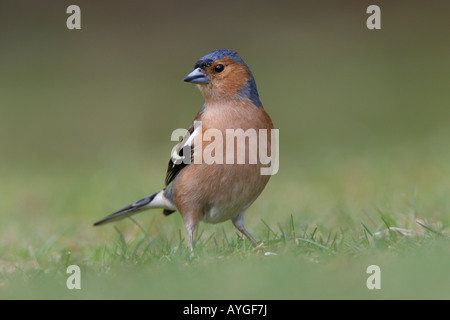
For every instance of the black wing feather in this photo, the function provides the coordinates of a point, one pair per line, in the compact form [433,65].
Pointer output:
[174,167]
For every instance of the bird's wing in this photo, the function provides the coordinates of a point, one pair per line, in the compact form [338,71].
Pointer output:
[183,154]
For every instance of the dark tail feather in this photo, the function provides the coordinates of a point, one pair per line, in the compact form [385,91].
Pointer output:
[167,212]
[128,210]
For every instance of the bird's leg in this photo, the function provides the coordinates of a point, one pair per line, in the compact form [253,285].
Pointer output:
[190,229]
[190,219]
[191,237]
[238,222]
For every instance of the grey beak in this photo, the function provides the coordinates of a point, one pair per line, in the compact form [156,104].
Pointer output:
[196,76]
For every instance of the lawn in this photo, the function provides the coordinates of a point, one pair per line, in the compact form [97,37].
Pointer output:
[364,178]
[317,245]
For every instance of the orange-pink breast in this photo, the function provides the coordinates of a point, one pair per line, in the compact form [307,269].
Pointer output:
[219,192]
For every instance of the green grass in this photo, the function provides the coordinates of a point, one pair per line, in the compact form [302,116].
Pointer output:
[321,224]
[304,253]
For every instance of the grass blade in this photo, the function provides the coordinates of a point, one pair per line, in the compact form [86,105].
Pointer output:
[430,229]
[316,244]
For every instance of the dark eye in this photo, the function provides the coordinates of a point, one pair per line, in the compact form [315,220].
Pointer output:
[219,68]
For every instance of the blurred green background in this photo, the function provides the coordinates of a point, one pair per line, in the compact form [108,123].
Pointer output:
[86,117]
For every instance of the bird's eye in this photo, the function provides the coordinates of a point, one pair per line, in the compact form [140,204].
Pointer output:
[219,68]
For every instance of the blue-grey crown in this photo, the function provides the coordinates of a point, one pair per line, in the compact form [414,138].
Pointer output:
[219,54]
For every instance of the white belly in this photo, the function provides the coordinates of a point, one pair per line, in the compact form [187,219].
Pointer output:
[217,214]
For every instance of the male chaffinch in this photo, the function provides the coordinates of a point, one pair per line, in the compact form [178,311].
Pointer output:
[218,191]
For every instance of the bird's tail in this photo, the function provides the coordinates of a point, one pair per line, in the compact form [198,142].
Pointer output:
[156,200]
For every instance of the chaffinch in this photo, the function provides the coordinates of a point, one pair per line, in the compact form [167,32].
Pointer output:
[215,191]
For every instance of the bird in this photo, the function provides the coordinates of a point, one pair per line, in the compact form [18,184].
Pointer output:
[223,190]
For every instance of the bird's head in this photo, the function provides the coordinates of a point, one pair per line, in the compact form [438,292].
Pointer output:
[222,75]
